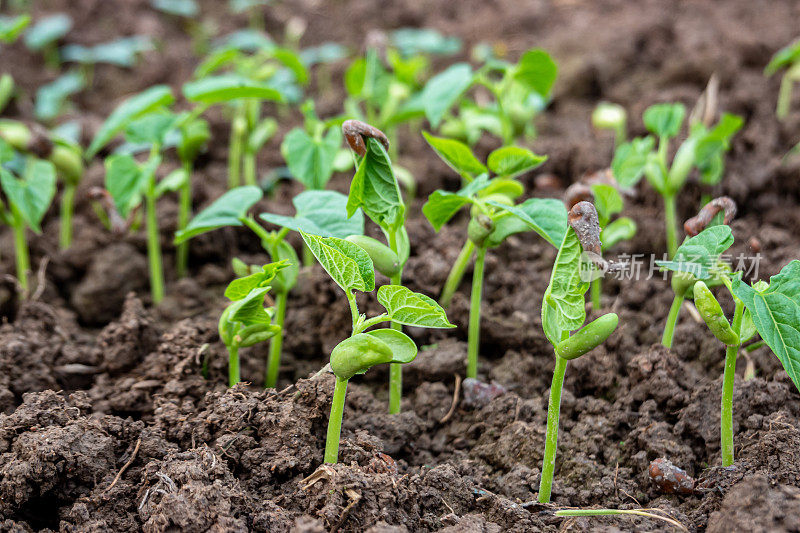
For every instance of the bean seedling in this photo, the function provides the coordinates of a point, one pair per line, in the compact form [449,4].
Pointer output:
[563,311]
[703,150]
[246,321]
[350,266]
[788,60]
[317,212]
[607,116]
[493,216]
[770,309]
[45,34]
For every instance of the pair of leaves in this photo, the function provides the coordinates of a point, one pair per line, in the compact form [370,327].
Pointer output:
[775,312]
[31,195]
[320,213]
[359,353]
[239,288]
[227,210]
[127,181]
[374,189]
[699,255]
[711,148]
[630,159]
[664,120]
[563,307]
[311,159]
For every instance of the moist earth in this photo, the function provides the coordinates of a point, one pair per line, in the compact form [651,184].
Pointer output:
[116,415]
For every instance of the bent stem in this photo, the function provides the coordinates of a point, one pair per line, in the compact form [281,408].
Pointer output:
[551,438]
[456,274]
[335,421]
[275,345]
[671,221]
[21,248]
[234,375]
[185,210]
[728,378]
[474,334]
[67,209]
[672,320]
[597,290]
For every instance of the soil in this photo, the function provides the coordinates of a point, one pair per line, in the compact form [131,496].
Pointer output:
[116,415]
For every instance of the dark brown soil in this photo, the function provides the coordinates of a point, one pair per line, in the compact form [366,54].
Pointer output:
[110,425]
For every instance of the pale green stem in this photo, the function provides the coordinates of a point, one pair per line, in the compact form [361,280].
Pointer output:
[67,208]
[184,213]
[784,98]
[276,343]
[456,274]
[670,218]
[234,376]
[728,378]
[672,320]
[21,248]
[474,333]
[597,291]
[551,437]
[335,421]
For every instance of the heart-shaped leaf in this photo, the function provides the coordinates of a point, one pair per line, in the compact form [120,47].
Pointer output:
[545,216]
[457,155]
[511,161]
[226,87]
[347,263]
[444,89]
[699,255]
[227,210]
[411,308]
[321,213]
[32,194]
[311,160]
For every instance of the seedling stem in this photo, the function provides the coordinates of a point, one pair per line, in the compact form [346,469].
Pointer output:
[21,247]
[67,209]
[551,437]
[276,343]
[728,378]
[473,337]
[456,273]
[185,209]
[672,320]
[335,421]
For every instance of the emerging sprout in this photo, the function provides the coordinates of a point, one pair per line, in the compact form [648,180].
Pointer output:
[607,116]
[563,311]
[788,59]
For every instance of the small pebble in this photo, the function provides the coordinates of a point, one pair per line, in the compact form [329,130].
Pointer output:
[669,478]
[478,394]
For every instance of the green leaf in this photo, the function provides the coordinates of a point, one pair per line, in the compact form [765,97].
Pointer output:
[12,27]
[717,141]
[172,182]
[664,120]
[443,205]
[607,201]
[456,154]
[563,307]
[509,188]
[699,255]
[621,229]
[151,128]
[120,52]
[50,98]
[537,70]
[403,348]
[250,309]
[311,160]
[261,134]
[48,30]
[630,159]
[321,213]
[125,181]
[131,109]
[511,161]
[442,91]
[241,287]
[783,58]
[227,87]
[227,210]
[347,263]
[375,190]
[359,353]
[776,314]
[411,308]
[413,41]
[179,8]
[545,216]
[32,194]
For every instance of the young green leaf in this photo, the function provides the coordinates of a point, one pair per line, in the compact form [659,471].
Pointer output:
[226,87]
[179,8]
[359,353]
[411,308]
[621,229]
[250,309]
[776,314]
[404,350]
[321,213]
[699,255]
[545,216]
[227,210]
[12,27]
[630,160]
[172,182]
[374,188]
[607,201]
[783,57]
[511,161]
[125,181]
[131,109]
[47,31]
[151,128]
[347,263]
[311,160]
[563,307]
[664,120]
[442,91]
[537,70]
[241,287]
[50,98]
[32,194]
[120,52]
[457,155]
[443,205]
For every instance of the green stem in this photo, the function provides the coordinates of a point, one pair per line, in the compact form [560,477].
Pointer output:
[728,378]
[474,334]
[234,375]
[21,248]
[395,369]
[597,291]
[184,213]
[275,345]
[335,422]
[249,168]
[670,218]
[456,274]
[672,319]
[236,147]
[551,438]
[67,208]
[308,255]
[154,248]
[784,98]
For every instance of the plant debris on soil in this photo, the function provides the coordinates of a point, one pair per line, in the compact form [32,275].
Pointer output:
[116,415]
